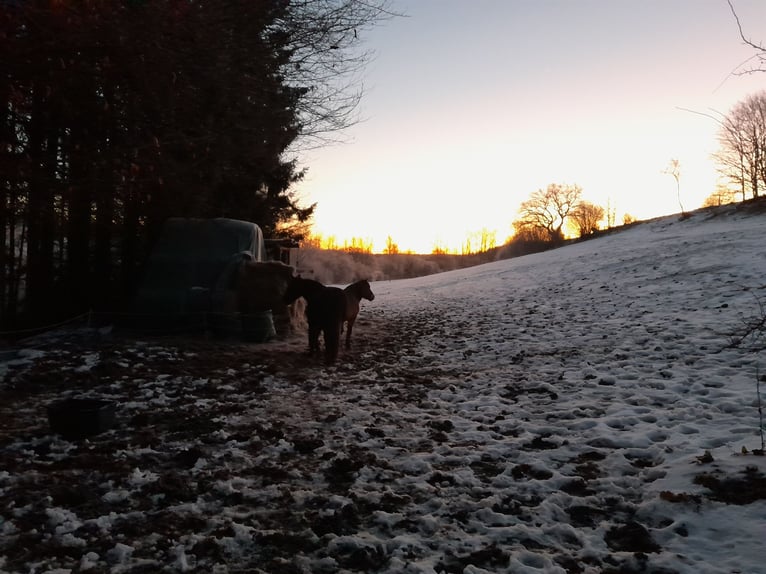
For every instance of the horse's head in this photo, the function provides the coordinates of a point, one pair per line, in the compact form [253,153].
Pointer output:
[294,290]
[364,290]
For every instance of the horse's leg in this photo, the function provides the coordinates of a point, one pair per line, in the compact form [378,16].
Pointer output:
[314,330]
[333,315]
[348,331]
[331,341]
[352,310]
[314,318]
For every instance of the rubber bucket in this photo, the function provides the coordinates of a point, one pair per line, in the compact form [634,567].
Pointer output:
[77,418]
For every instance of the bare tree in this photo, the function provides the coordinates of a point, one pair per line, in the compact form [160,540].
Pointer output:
[488,240]
[358,245]
[674,169]
[731,158]
[392,248]
[529,232]
[586,218]
[527,238]
[742,138]
[479,241]
[549,209]
[611,214]
[326,60]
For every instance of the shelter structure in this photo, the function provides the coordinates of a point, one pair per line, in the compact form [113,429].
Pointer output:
[190,278]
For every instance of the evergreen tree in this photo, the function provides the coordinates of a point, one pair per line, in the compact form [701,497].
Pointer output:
[118,115]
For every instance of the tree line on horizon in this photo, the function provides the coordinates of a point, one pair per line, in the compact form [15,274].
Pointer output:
[543,220]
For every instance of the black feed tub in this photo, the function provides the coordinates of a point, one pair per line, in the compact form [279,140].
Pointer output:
[77,418]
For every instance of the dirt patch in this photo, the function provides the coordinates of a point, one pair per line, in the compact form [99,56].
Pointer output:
[745,488]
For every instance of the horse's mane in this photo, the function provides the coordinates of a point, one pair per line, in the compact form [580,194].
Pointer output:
[302,287]
[357,284]
[311,282]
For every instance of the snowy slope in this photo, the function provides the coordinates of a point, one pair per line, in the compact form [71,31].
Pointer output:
[546,414]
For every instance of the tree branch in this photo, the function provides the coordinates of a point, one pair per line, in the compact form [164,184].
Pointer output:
[759,48]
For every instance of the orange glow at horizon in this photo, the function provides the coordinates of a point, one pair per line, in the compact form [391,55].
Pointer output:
[477,242]
[456,223]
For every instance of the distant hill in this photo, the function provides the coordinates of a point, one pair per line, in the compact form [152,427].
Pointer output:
[337,267]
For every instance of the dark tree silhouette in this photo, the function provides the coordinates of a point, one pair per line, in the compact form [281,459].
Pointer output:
[586,218]
[742,138]
[117,115]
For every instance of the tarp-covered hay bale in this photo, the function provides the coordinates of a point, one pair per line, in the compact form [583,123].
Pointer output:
[210,274]
[261,286]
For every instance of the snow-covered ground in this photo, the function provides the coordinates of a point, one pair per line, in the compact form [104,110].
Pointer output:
[576,411]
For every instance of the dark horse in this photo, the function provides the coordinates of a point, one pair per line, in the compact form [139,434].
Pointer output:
[354,293]
[325,311]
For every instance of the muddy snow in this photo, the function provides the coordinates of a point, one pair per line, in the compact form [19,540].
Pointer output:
[577,411]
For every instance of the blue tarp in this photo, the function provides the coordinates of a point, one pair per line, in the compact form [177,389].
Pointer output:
[192,266]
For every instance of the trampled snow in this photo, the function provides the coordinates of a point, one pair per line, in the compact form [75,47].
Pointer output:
[581,410]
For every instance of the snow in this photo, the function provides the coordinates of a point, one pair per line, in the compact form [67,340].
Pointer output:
[546,414]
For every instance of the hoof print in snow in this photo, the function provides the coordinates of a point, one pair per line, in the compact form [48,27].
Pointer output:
[273,432]
[173,486]
[588,456]
[391,502]
[680,497]
[439,437]
[342,522]
[515,391]
[375,432]
[486,469]
[362,558]
[577,487]
[285,543]
[516,505]
[188,457]
[643,461]
[587,516]
[631,537]
[539,443]
[527,471]
[342,472]
[488,558]
[443,426]
[441,479]
[307,444]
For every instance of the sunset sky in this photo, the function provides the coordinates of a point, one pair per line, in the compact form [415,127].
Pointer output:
[472,105]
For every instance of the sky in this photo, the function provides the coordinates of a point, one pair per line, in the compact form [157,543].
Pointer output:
[471,106]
